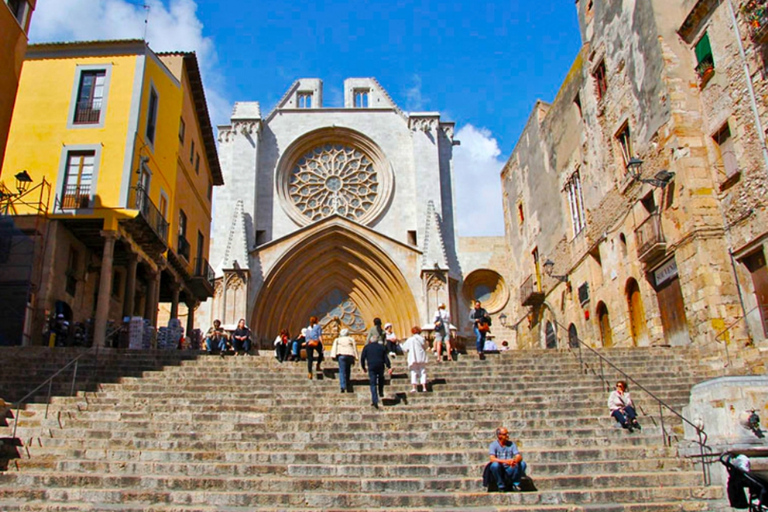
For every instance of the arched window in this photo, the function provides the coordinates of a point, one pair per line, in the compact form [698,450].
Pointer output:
[605,325]
[637,324]
[551,336]
[623,244]
[573,336]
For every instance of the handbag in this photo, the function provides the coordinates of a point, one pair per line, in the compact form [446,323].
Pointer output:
[483,326]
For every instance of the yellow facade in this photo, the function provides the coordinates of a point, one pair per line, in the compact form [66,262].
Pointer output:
[102,123]
[14,25]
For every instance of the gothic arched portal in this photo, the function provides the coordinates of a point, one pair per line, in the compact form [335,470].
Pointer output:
[328,264]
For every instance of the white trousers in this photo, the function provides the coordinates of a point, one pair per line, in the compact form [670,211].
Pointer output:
[418,373]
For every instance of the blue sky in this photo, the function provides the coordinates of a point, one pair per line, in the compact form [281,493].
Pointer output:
[481,64]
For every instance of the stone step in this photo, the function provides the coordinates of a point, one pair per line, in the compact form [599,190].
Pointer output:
[278,483]
[331,500]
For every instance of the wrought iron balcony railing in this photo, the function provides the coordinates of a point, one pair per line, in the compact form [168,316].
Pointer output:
[87,113]
[530,292]
[76,196]
[183,247]
[203,269]
[151,214]
[650,238]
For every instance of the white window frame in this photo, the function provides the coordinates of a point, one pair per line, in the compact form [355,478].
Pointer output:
[575,196]
[64,162]
[71,125]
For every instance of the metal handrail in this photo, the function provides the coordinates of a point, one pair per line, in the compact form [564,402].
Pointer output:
[667,437]
[49,381]
[727,329]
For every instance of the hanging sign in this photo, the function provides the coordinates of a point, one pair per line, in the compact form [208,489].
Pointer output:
[665,272]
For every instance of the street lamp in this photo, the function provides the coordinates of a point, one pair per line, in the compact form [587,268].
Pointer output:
[503,319]
[23,180]
[549,266]
[660,180]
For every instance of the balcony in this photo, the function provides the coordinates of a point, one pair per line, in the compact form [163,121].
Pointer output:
[183,247]
[149,228]
[76,197]
[87,113]
[530,294]
[756,14]
[651,244]
[203,281]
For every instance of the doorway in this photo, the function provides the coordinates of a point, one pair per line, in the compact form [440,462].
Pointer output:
[755,263]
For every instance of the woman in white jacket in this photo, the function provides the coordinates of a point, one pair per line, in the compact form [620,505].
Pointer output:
[416,348]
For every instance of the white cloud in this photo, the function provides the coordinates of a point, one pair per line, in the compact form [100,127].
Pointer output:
[414,101]
[477,163]
[172,28]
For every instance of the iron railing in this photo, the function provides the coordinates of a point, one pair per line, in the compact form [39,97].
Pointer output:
[530,294]
[650,237]
[598,369]
[725,335]
[184,247]
[203,269]
[87,112]
[76,196]
[151,214]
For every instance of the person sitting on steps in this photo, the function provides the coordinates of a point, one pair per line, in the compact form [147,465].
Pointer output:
[242,338]
[216,338]
[506,469]
[622,408]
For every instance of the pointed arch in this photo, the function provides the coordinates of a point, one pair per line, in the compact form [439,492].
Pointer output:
[331,259]
[637,323]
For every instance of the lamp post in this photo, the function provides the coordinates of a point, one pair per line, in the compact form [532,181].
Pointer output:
[503,319]
[549,266]
[661,179]
[7,198]
[23,181]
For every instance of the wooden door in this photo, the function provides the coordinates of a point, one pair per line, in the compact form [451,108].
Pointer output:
[573,336]
[672,307]
[636,313]
[756,266]
[605,325]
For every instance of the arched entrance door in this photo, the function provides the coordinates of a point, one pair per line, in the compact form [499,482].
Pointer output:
[637,322]
[573,336]
[605,325]
[551,336]
[333,273]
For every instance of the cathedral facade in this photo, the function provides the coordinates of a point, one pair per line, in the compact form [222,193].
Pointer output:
[342,213]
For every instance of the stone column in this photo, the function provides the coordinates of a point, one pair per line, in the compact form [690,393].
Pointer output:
[150,303]
[175,291]
[191,307]
[130,285]
[105,285]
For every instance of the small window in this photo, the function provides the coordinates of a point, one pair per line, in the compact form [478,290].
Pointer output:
[304,100]
[705,61]
[412,239]
[192,153]
[576,203]
[601,81]
[152,115]
[78,180]
[90,97]
[649,203]
[623,244]
[261,236]
[197,163]
[182,224]
[361,98]
[724,141]
[577,104]
[520,213]
[19,9]
[625,144]
[163,206]
[182,130]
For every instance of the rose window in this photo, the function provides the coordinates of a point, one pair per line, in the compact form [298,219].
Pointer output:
[333,178]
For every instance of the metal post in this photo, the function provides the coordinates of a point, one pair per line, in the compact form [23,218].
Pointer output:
[602,374]
[16,420]
[663,430]
[74,378]
[704,472]
[48,400]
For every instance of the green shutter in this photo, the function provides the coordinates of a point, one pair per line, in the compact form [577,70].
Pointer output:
[704,50]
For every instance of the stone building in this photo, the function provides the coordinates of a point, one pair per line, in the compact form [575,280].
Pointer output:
[635,201]
[346,213]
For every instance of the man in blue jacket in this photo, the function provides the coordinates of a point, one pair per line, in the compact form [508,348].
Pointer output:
[375,357]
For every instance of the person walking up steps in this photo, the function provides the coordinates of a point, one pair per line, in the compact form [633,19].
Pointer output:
[373,360]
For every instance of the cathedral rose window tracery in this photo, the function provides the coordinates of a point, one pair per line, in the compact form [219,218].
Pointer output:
[333,178]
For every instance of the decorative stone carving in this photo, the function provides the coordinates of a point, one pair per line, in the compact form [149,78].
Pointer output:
[447,129]
[333,178]
[425,124]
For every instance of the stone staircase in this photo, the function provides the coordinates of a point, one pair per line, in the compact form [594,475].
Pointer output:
[247,433]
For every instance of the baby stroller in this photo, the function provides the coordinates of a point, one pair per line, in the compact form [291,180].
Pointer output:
[738,480]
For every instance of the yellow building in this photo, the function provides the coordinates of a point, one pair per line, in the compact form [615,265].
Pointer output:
[123,136]
[14,25]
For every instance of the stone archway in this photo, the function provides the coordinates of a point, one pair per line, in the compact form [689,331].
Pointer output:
[333,262]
